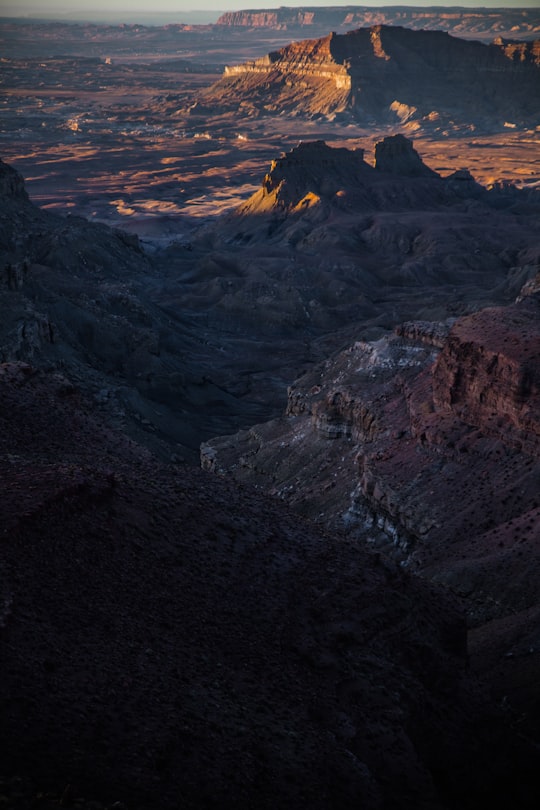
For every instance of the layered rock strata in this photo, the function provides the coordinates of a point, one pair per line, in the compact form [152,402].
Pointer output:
[490,378]
[387,74]
[429,398]
[430,454]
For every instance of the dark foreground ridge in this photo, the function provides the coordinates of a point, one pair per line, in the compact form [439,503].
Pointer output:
[169,640]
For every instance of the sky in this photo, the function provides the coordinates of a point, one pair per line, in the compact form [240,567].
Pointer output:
[138,10]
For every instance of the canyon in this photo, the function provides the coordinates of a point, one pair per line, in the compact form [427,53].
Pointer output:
[208,258]
[152,337]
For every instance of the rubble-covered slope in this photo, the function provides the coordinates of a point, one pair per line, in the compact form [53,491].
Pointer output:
[85,298]
[166,637]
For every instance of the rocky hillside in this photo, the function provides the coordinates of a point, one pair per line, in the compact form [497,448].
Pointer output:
[385,74]
[165,635]
[85,298]
[426,444]
[477,23]
[438,387]
[329,241]
[204,338]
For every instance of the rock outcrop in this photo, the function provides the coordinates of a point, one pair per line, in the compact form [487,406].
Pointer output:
[387,74]
[519,51]
[431,454]
[396,155]
[310,174]
[327,235]
[456,392]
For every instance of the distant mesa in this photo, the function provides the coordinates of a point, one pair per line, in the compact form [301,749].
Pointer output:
[315,174]
[388,75]
[311,172]
[472,22]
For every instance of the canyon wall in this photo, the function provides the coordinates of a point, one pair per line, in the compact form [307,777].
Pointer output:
[490,377]
[430,453]
[309,58]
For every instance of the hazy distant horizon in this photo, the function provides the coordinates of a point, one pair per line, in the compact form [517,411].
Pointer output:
[164,11]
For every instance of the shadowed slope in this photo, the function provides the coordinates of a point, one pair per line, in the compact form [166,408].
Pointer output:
[168,639]
[426,444]
[330,241]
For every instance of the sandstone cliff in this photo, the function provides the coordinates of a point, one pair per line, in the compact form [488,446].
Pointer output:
[519,51]
[490,378]
[376,74]
[434,399]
